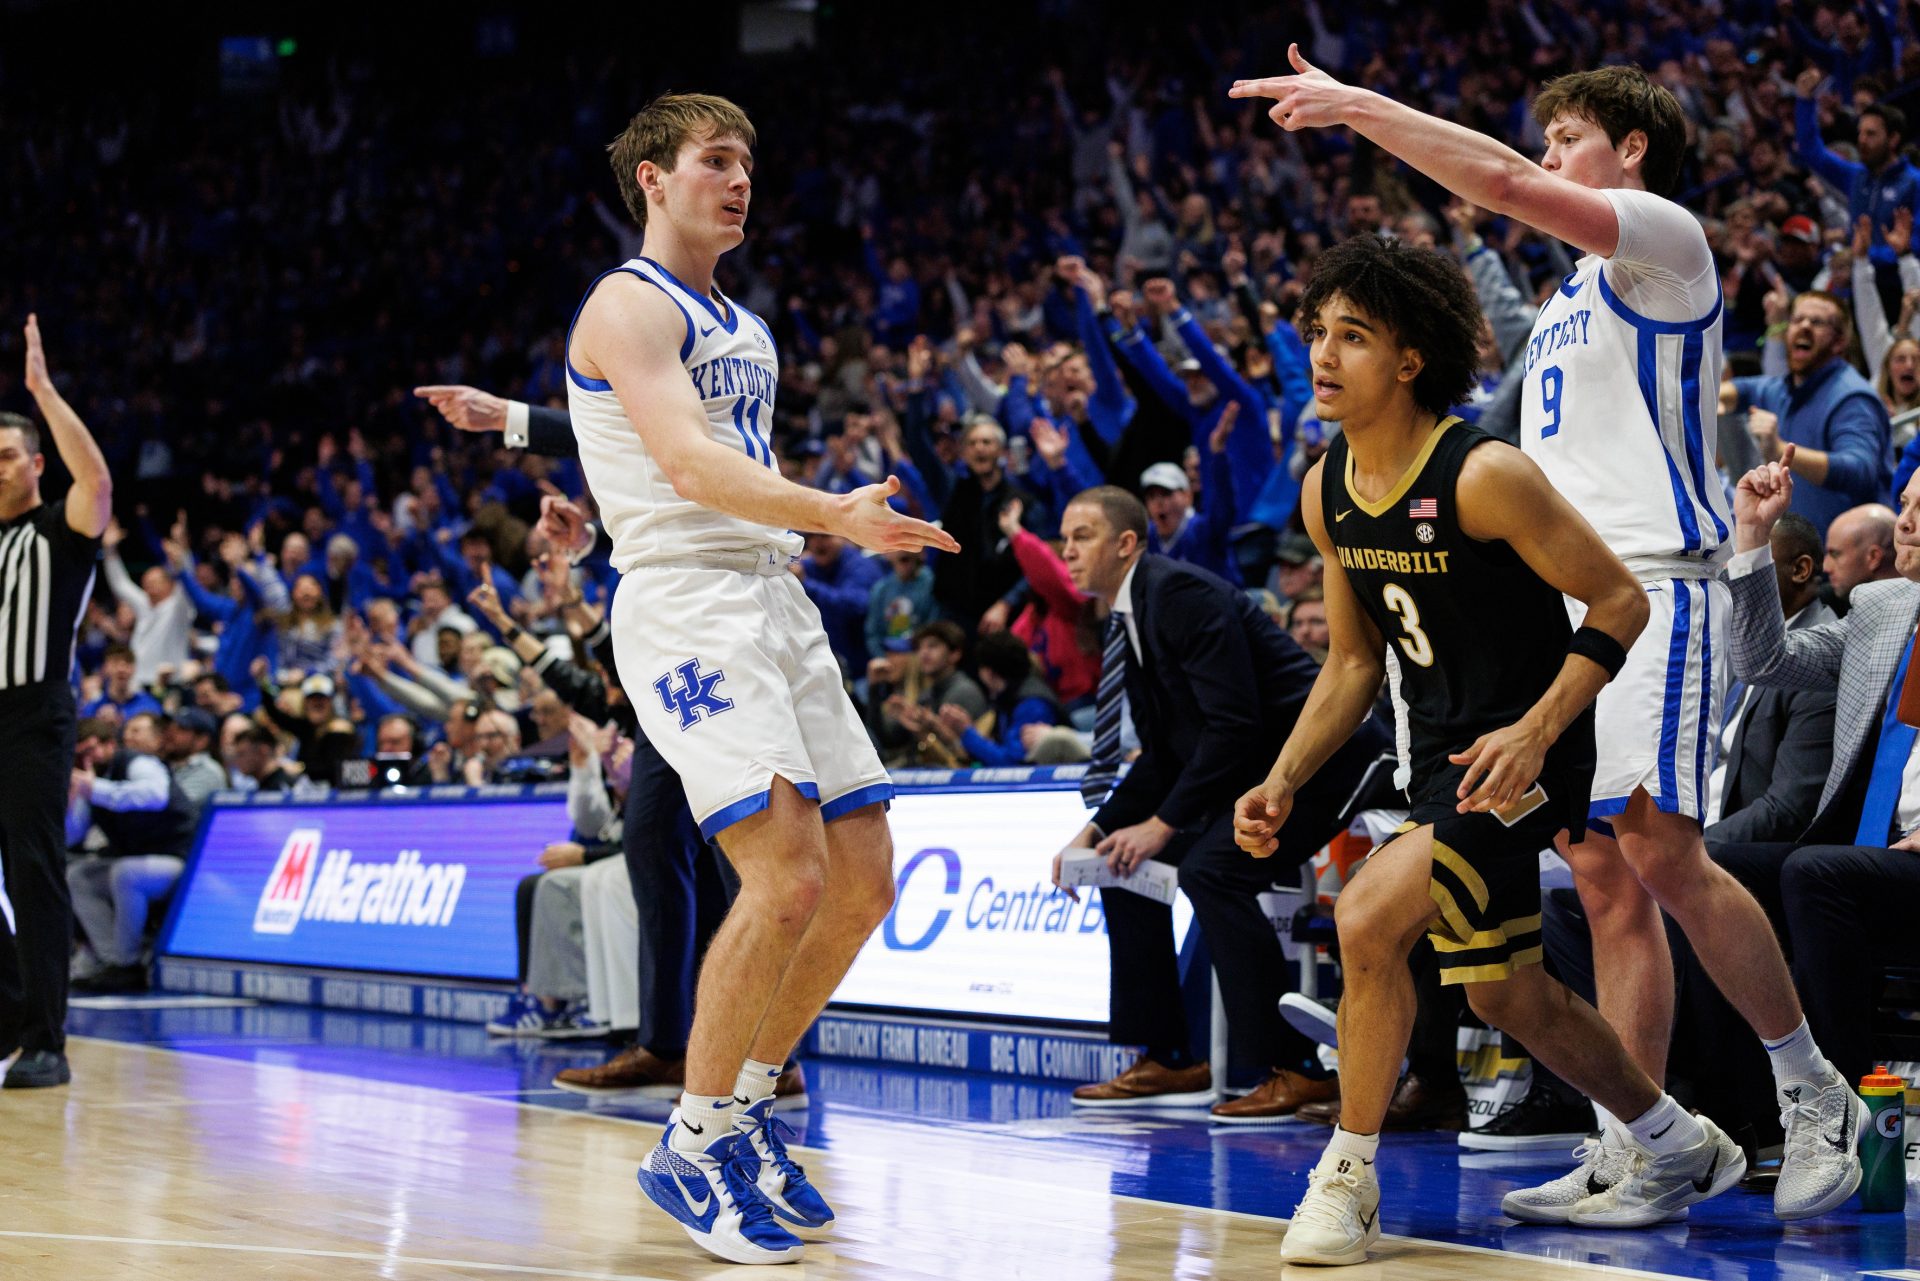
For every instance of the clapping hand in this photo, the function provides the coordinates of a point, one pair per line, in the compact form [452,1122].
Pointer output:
[1049,442]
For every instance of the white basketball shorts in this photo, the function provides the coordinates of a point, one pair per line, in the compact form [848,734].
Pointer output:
[1657,724]
[733,681]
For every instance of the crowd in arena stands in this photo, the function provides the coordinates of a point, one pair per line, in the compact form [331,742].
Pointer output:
[1004,278]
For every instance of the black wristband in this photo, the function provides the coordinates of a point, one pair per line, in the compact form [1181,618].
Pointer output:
[1591,642]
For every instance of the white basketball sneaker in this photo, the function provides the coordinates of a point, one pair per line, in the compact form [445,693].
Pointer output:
[1657,1186]
[1600,1167]
[1821,1167]
[1338,1218]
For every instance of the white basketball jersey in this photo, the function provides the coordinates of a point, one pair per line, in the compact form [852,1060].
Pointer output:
[729,356]
[1620,410]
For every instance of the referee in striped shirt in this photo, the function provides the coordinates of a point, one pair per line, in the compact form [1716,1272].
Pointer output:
[47,555]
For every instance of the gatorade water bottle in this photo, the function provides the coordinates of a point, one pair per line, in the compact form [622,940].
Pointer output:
[1883,1180]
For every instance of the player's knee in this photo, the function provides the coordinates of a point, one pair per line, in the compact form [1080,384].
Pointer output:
[873,896]
[1673,875]
[1492,1003]
[1368,932]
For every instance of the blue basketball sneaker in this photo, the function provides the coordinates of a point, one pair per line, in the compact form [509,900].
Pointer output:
[713,1196]
[778,1176]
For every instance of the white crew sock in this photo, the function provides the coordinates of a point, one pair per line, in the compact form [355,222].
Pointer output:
[1666,1128]
[703,1118]
[1360,1148]
[756,1082]
[1797,1060]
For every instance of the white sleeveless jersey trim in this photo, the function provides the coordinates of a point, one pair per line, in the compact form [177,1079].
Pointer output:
[1621,413]
[730,358]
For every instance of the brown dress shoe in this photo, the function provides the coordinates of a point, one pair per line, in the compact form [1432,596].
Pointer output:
[1418,1104]
[1280,1095]
[632,1069]
[1147,1083]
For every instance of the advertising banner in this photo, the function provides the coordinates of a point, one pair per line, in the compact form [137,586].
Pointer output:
[420,888]
[423,884]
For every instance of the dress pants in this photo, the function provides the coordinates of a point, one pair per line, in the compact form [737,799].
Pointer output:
[1850,914]
[682,887]
[36,763]
[1223,883]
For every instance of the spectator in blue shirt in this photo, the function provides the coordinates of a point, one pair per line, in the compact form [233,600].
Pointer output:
[1826,409]
[1880,182]
[899,604]
[1019,698]
[119,696]
[1176,528]
[839,580]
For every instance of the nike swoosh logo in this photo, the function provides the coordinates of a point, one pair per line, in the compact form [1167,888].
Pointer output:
[1343,515]
[708,333]
[1662,1130]
[1594,1186]
[1366,1221]
[1704,1183]
[1846,1127]
[698,1205]
[691,1128]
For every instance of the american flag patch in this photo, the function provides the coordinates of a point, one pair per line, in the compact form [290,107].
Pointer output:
[1424,509]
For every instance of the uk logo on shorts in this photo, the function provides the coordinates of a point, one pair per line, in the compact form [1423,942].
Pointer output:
[694,696]
[287,885]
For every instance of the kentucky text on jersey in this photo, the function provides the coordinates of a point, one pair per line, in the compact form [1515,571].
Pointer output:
[1393,562]
[732,376]
[1561,333]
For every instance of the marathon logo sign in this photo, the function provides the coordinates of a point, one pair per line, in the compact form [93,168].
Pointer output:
[339,890]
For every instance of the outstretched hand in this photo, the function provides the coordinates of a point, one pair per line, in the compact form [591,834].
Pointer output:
[467,408]
[1308,99]
[864,519]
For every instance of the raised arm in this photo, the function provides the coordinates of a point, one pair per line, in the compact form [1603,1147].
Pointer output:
[1471,165]
[90,501]
[630,333]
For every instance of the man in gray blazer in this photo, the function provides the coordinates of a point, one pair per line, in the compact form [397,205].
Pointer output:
[1846,883]
[1778,742]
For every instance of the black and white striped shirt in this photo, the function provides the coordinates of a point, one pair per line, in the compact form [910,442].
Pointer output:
[46,574]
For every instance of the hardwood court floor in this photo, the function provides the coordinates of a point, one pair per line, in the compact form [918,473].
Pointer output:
[163,1164]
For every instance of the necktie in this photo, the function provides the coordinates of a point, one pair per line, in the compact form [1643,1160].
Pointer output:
[1889,764]
[1105,765]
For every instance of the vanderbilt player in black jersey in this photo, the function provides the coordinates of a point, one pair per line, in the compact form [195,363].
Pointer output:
[1447,553]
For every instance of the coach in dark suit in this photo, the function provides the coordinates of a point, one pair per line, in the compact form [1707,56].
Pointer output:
[1846,883]
[1214,687]
[1782,740]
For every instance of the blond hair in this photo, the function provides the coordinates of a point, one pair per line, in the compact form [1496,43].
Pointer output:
[661,128]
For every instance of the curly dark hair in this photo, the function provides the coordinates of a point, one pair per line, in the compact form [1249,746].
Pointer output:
[1423,299]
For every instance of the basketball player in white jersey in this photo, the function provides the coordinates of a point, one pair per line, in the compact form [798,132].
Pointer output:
[1619,410]
[671,388]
